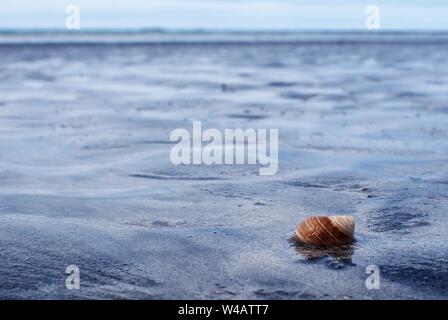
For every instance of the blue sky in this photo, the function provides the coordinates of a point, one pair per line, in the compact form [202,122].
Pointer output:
[226,14]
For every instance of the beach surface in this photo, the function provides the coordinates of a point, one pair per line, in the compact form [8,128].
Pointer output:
[86,177]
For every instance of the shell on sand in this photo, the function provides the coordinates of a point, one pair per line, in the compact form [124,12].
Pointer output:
[326,230]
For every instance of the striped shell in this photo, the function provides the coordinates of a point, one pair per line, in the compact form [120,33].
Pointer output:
[326,230]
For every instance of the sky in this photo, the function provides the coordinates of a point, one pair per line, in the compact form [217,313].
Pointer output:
[226,14]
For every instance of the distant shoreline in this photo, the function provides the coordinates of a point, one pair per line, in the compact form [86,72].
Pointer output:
[218,31]
[154,36]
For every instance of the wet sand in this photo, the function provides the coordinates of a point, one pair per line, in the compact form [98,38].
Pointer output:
[86,177]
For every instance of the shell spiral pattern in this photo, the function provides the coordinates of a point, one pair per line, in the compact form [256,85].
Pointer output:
[326,230]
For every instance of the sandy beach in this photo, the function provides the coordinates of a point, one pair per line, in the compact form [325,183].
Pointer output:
[86,176]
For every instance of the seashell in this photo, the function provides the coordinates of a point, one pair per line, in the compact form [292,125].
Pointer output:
[326,230]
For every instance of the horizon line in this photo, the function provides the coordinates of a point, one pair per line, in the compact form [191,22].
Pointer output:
[219,30]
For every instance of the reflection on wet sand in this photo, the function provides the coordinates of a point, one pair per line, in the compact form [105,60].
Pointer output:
[336,257]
